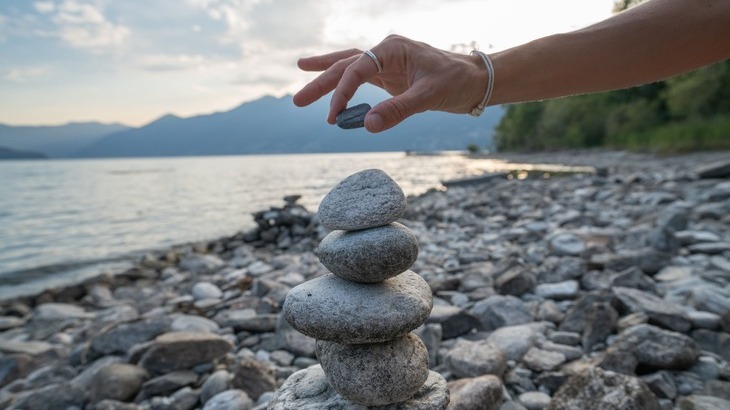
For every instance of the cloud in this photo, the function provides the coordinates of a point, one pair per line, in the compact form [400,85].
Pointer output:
[22,75]
[168,62]
[44,7]
[84,26]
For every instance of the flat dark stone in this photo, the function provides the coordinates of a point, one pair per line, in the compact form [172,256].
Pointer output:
[353,117]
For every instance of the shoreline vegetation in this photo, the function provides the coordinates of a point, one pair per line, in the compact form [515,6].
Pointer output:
[690,112]
[545,288]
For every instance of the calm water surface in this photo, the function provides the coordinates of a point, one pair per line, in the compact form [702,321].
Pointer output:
[65,220]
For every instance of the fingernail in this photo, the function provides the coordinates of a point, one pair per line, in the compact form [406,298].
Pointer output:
[374,122]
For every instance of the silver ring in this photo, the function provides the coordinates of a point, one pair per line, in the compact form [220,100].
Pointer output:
[375,59]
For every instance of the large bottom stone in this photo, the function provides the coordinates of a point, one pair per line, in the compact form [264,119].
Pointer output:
[375,374]
[308,389]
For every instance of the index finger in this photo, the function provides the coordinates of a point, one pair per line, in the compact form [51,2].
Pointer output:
[325,61]
[355,75]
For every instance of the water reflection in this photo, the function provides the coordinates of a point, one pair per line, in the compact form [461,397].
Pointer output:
[55,213]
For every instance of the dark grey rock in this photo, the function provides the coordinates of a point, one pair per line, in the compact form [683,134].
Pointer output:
[247,320]
[431,336]
[711,299]
[290,339]
[309,389]
[483,392]
[499,311]
[516,281]
[333,309]
[660,312]
[700,402]
[59,396]
[183,350]
[470,359]
[168,383]
[602,318]
[15,366]
[121,337]
[353,117]
[387,373]
[369,255]
[657,349]
[647,259]
[577,317]
[662,384]
[216,383]
[363,200]
[717,169]
[454,321]
[597,389]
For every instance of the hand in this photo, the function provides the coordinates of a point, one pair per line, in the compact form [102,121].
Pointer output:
[418,76]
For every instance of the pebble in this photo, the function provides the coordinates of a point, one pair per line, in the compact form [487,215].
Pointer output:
[375,374]
[366,199]
[309,389]
[333,309]
[353,117]
[369,255]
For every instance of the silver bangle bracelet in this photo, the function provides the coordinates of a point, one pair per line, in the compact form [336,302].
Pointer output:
[479,109]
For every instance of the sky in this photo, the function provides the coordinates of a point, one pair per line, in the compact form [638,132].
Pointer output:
[132,61]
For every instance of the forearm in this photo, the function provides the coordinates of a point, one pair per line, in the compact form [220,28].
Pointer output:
[653,41]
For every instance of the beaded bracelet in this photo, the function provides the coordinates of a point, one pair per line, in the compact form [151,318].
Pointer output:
[479,109]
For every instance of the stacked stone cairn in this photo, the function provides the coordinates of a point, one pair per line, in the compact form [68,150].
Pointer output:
[363,312]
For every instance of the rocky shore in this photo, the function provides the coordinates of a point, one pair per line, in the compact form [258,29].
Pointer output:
[584,291]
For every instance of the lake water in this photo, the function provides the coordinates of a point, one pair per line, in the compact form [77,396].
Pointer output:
[65,220]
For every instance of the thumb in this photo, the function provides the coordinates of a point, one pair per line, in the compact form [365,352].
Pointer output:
[392,112]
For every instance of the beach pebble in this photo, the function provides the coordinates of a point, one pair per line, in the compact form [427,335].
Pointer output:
[369,255]
[598,387]
[229,400]
[353,117]
[363,200]
[309,389]
[483,392]
[183,350]
[375,374]
[334,309]
[206,290]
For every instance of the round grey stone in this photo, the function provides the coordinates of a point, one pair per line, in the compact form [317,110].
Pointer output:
[363,200]
[309,389]
[333,309]
[206,290]
[475,358]
[229,400]
[375,374]
[369,255]
[566,244]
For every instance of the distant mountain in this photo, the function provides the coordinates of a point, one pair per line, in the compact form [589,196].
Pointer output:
[7,153]
[274,125]
[55,141]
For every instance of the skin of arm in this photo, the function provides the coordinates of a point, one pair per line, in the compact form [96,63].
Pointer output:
[650,42]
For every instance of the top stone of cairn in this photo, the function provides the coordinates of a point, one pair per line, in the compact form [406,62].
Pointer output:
[363,200]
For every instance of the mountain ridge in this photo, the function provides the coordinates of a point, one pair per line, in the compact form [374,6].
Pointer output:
[269,125]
